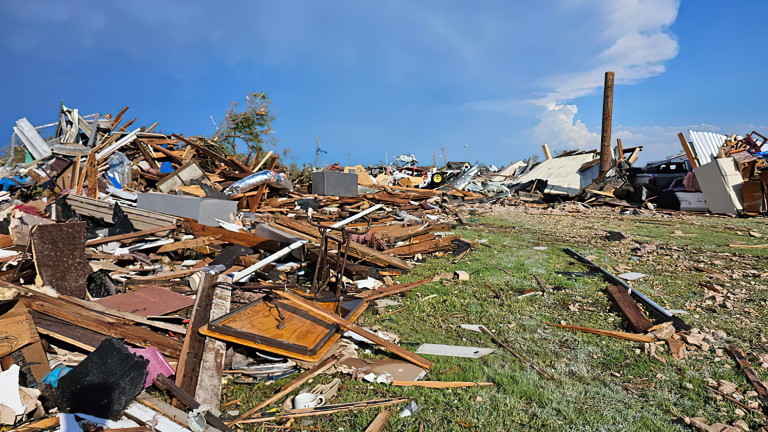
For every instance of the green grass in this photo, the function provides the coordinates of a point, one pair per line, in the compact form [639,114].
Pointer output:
[601,384]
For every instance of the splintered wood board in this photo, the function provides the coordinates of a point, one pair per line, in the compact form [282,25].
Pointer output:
[312,358]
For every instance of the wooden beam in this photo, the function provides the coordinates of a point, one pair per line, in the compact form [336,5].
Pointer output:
[137,234]
[615,334]
[619,149]
[240,238]
[746,367]
[208,391]
[638,322]
[378,423]
[391,290]
[92,175]
[332,317]
[440,384]
[688,151]
[188,369]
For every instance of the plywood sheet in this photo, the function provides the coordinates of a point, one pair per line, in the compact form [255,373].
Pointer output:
[148,301]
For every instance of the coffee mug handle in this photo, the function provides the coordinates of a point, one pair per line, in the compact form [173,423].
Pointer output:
[320,400]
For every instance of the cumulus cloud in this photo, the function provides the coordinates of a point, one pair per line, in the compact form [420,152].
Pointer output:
[559,129]
[639,42]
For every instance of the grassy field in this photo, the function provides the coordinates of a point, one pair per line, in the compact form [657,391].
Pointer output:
[600,384]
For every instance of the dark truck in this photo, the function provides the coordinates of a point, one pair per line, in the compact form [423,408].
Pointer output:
[658,176]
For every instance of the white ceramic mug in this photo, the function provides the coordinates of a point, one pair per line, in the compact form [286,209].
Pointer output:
[307,400]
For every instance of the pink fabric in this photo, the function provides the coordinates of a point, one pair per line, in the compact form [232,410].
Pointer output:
[157,364]
[690,182]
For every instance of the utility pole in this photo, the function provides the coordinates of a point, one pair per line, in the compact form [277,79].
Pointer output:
[445,159]
[605,138]
[317,151]
[465,153]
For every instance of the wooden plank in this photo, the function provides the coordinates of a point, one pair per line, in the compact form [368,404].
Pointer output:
[136,234]
[440,384]
[288,388]
[378,423]
[388,291]
[147,156]
[615,334]
[186,244]
[239,238]
[168,153]
[255,167]
[688,151]
[746,367]
[395,349]
[638,322]
[211,154]
[208,391]
[188,369]
[118,118]
[263,188]
[429,246]
[92,175]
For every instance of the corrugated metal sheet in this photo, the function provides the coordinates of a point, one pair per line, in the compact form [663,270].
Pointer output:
[503,175]
[706,145]
[561,173]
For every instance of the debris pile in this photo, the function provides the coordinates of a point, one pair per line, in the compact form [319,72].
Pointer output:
[136,262]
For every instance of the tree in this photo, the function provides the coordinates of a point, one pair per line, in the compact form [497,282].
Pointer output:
[251,127]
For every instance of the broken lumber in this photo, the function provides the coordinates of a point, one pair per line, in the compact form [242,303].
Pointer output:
[615,334]
[520,357]
[439,384]
[388,291]
[328,409]
[746,367]
[133,235]
[638,322]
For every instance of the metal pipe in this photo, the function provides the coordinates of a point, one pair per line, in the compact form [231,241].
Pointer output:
[243,274]
[663,313]
[357,216]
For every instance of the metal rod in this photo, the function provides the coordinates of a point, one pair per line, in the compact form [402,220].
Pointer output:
[663,313]
[357,216]
[243,274]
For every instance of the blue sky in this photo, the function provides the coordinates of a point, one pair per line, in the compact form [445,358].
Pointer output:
[371,78]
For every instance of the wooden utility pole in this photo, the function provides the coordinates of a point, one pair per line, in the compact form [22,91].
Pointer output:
[605,139]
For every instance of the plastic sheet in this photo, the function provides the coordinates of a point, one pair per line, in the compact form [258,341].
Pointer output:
[277,180]
[119,171]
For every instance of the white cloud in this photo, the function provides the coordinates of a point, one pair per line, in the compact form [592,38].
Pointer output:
[638,41]
[560,130]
